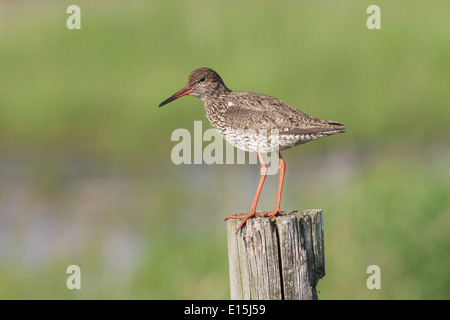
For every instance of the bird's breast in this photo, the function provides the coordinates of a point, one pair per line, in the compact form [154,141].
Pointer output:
[262,140]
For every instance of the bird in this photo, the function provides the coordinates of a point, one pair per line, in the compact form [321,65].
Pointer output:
[256,123]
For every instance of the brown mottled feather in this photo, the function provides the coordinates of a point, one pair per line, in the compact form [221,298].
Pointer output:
[257,111]
[242,116]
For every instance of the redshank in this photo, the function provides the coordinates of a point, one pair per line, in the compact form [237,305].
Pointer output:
[254,122]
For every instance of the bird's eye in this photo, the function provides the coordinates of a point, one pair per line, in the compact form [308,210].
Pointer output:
[202,79]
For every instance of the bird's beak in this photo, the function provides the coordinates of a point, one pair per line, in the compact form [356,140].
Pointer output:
[179,94]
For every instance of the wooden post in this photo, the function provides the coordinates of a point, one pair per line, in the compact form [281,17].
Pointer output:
[282,259]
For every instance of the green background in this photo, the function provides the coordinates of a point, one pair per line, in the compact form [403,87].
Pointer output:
[86,176]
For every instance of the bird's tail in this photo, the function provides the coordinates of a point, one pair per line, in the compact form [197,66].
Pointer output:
[336,126]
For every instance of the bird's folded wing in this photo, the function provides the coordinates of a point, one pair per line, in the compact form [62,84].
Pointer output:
[282,117]
[312,130]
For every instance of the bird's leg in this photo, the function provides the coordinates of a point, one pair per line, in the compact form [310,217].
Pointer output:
[253,212]
[282,167]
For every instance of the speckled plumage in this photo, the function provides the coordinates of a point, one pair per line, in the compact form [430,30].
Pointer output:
[253,121]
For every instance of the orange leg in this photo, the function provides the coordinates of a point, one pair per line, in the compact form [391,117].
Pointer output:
[253,212]
[282,167]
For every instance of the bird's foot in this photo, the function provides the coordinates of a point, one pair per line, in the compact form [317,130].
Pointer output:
[251,215]
[272,214]
[245,218]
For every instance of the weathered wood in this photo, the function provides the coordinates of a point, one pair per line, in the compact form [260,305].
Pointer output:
[282,258]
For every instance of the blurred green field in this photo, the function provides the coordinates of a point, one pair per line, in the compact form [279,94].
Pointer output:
[85,170]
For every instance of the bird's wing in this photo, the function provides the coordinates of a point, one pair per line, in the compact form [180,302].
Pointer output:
[255,111]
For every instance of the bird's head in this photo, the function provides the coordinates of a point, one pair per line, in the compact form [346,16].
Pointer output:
[202,82]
